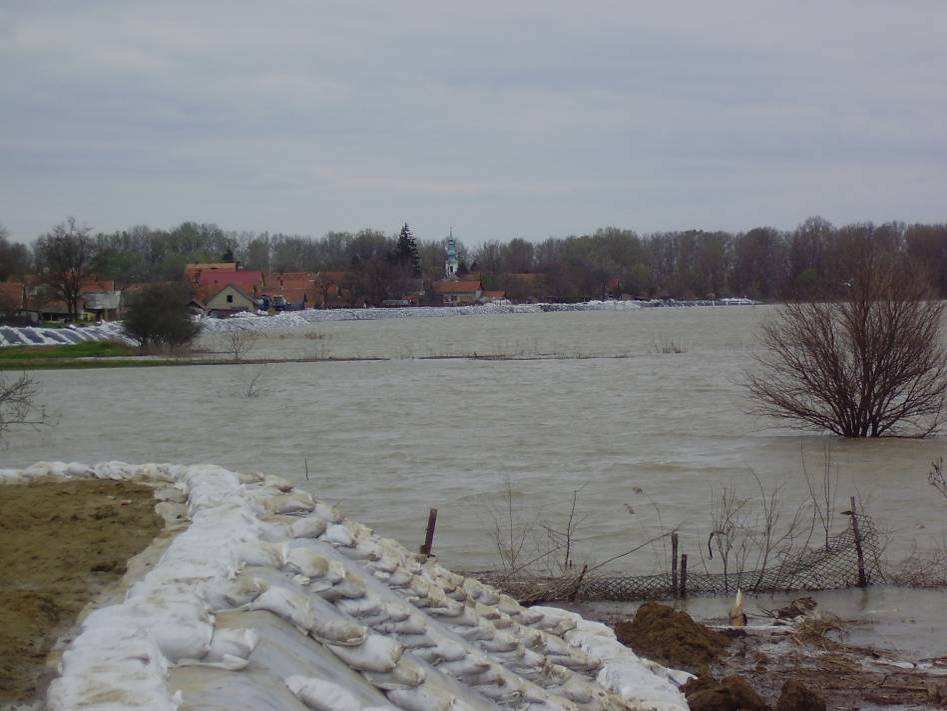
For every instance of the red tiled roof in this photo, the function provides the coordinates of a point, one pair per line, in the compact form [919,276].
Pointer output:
[456,287]
[96,285]
[191,269]
[494,294]
[246,280]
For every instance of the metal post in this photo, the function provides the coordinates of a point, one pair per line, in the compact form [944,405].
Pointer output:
[674,589]
[429,534]
[862,578]
[683,574]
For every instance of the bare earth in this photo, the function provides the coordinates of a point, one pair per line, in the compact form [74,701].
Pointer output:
[814,653]
[60,544]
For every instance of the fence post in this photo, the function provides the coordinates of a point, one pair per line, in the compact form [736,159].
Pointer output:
[429,534]
[683,574]
[674,589]
[862,579]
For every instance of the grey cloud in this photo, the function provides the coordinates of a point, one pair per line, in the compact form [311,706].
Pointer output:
[500,118]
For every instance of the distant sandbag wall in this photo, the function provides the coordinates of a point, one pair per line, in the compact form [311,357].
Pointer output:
[70,335]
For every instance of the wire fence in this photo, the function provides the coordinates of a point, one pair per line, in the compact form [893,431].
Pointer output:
[850,558]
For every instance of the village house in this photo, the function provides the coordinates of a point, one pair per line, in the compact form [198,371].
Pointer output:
[458,293]
[288,291]
[193,272]
[494,297]
[101,301]
[230,300]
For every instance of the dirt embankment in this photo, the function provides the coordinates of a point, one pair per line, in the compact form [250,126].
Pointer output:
[799,667]
[670,636]
[60,544]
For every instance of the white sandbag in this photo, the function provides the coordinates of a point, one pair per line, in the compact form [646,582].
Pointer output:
[338,535]
[250,477]
[376,654]
[77,469]
[296,502]
[310,564]
[292,606]
[407,674]
[352,586]
[328,513]
[323,695]
[233,642]
[430,696]
[236,593]
[360,607]
[278,482]
[445,650]
[308,527]
[259,553]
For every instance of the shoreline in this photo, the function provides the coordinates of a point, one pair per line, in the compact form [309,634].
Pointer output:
[152,362]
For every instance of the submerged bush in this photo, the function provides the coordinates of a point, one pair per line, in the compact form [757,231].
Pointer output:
[158,316]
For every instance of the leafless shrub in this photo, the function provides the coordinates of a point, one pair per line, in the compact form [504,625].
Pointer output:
[936,476]
[512,529]
[921,569]
[822,494]
[752,536]
[539,555]
[667,347]
[868,364]
[254,386]
[18,404]
[240,342]
[563,538]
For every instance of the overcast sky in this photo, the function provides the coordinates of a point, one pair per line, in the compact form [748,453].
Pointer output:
[502,118]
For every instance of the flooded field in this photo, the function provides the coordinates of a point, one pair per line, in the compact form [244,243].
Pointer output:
[647,438]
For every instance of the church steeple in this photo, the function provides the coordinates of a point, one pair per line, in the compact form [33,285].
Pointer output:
[451,265]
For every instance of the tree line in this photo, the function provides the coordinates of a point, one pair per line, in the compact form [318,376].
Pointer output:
[762,263]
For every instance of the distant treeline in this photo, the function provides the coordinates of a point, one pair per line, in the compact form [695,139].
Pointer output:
[762,263]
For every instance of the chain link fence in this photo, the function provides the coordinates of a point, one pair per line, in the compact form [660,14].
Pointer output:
[846,561]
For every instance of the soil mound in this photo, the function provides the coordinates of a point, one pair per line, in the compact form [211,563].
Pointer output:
[732,693]
[669,636]
[60,544]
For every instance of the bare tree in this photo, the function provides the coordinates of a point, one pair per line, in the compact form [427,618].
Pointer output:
[867,364]
[18,403]
[64,259]
[240,342]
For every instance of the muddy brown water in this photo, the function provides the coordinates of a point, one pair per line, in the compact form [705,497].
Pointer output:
[647,438]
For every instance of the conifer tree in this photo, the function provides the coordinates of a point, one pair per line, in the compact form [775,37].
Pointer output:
[407,250]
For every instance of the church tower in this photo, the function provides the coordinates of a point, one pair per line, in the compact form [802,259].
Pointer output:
[451,265]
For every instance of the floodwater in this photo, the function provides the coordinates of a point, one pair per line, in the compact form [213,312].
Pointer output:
[647,439]
[909,622]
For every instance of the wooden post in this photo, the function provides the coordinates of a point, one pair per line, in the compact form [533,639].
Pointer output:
[674,589]
[862,579]
[429,534]
[683,574]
